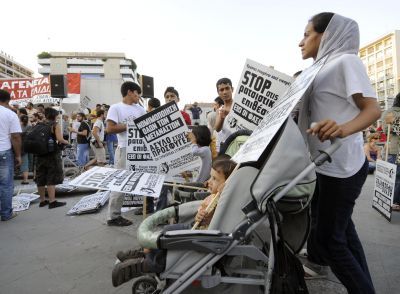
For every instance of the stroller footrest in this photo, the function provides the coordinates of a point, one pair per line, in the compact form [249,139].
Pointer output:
[207,241]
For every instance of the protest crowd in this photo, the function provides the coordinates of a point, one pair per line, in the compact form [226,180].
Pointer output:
[98,137]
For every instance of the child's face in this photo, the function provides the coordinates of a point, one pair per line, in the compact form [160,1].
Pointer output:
[216,181]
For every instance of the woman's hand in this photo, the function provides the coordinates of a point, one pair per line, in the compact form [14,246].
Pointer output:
[327,129]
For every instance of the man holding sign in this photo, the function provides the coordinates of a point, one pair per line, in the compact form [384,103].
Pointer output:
[225,90]
[117,118]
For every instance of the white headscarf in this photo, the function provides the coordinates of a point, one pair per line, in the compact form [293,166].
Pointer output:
[340,37]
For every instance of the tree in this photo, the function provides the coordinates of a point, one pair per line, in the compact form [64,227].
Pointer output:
[44,54]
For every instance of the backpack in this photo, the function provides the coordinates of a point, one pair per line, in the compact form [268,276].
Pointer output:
[37,139]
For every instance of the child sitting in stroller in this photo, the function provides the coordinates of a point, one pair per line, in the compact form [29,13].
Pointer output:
[136,262]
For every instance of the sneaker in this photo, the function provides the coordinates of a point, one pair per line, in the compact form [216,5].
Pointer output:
[119,222]
[126,271]
[13,214]
[56,204]
[43,203]
[130,254]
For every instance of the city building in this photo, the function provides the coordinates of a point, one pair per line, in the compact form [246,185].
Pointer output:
[382,61]
[101,73]
[91,65]
[11,69]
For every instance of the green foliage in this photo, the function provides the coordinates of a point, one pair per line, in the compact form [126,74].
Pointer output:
[43,55]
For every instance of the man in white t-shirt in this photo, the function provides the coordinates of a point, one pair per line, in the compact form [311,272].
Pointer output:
[225,91]
[10,149]
[117,117]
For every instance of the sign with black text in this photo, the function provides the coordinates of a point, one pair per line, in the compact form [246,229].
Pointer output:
[260,88]
[120,180]
[164,132]
[268,127]
[385,179]
[90,203]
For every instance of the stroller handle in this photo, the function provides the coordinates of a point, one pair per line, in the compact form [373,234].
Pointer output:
[326,155]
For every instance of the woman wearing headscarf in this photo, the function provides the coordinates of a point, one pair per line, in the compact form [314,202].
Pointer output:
[342,103]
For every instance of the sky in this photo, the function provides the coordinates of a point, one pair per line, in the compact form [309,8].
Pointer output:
[186,44]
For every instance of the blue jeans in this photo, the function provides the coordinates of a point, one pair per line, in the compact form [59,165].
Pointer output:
[396,196]
[334,237]
[82,151]
[6,183]
[110,148]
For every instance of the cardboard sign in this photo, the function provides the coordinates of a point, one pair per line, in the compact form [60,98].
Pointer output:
[259,90]
[164,132]
[269,126]
[385,179]
[90,203]
[120,180]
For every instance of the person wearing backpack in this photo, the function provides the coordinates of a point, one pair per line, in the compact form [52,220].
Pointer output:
[83,139]
[49,170]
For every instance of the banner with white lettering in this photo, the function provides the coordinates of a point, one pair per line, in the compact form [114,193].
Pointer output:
[385,179]
[164,132]
[90,203]
[260,88]
[120,180]
[266,130]
[38,90]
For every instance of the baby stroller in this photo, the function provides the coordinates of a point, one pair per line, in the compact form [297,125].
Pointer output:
[244,250]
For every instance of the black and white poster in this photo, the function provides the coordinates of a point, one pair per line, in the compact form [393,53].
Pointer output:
[120,180]
[266,130]
[22,201]
[90,203]
[385,178]
[138,156]
[165,134]
[259,90]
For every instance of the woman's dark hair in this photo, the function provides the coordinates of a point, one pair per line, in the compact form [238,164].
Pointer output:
[24,119]
[23,111]
[225,166]
[81,114]
[171,90]
[202,135]
[321,20]
[50,113]
[154,102]
[396,102]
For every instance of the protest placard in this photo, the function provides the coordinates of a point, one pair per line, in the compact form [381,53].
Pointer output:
[138,157]
[164,132]
[20,204]
[90,203]
[120,180]
[28,196]
[385,178]
[260,88]
[132,201]
[268,127]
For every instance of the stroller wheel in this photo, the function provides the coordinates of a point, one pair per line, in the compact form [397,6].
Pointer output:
[144,285]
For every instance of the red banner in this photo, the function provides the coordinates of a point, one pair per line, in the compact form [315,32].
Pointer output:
[38,88]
